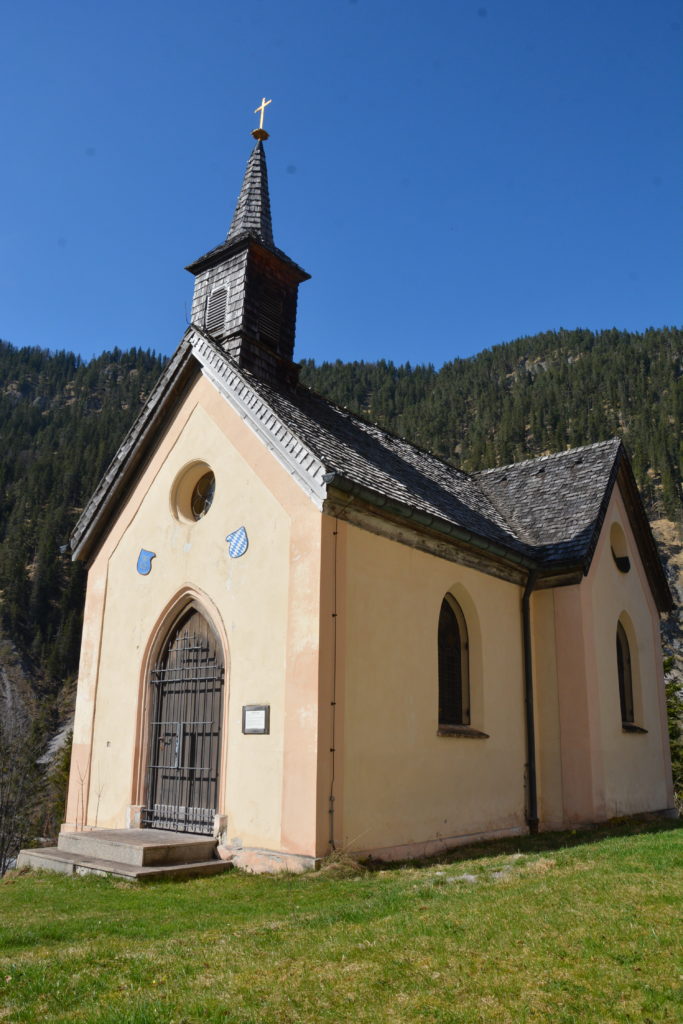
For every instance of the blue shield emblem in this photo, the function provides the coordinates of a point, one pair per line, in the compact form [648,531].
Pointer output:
[145,561]
[238,542]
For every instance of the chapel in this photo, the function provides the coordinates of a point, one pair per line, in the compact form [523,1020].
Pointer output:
[303,634]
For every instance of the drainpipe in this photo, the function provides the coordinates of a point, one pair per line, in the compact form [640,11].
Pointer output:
[532,800]
[333,702]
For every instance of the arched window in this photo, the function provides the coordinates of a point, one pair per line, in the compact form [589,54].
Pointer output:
[625,676]
[454,680]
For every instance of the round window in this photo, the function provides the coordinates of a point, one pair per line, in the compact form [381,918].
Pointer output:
[202,495]
[193,492]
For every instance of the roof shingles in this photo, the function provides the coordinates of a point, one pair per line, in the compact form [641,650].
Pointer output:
[368,456]
[555,502]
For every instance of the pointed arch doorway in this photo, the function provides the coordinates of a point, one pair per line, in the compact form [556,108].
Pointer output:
[184,740]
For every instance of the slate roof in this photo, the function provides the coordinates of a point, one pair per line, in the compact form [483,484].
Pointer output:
[252,213]
[553,503]
[251,220]
[365,455]
[546,512]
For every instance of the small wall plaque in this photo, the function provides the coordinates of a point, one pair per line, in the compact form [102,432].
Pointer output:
[256,719]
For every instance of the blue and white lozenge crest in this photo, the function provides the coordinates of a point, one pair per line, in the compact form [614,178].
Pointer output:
[238,542]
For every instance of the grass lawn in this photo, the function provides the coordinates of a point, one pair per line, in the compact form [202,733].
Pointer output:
[585,927]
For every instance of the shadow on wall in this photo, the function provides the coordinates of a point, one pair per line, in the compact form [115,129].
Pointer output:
[543,841]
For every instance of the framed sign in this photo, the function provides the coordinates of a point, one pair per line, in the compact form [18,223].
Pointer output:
[256,719]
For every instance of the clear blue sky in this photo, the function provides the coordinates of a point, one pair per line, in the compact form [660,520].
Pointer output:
[452,174]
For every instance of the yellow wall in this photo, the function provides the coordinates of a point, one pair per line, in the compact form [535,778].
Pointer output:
[607,771]
[401,788]
[336,628]
[265,606]
[546,710]
[401,783]
[636,771]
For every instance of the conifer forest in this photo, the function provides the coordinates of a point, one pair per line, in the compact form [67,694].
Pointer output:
[62,419]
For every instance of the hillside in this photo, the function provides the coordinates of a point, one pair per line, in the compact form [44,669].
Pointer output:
[578,928]
[60,423]
[61,420]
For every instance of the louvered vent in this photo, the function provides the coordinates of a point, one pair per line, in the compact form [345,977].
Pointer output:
[215,310]
[270,315]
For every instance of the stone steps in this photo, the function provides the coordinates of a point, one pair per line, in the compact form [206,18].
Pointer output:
[134,854]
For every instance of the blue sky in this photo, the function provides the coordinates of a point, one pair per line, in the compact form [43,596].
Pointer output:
[453,174]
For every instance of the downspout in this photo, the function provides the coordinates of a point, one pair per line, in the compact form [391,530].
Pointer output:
[333,702]
[532,798]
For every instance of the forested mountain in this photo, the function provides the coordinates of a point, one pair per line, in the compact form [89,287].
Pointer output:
[62,419]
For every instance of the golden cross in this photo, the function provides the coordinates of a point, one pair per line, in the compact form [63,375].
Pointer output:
[262,108]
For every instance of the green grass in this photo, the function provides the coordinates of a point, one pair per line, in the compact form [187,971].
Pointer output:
[555,929]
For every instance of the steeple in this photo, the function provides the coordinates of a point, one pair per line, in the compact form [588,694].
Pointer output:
[252,213]
[245,291]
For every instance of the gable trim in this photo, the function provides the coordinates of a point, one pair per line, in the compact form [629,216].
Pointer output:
[108,494]
[197,353]
[645,542]
[622,474]
[297,458]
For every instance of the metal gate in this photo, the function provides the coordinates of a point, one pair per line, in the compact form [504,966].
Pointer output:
[185,730]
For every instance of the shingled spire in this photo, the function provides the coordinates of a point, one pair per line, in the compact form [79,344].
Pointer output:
[252,213]
[245,291]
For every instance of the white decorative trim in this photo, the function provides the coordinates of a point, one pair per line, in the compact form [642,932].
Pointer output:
[304,466]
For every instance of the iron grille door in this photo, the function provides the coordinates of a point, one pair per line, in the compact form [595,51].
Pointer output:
[185,730]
